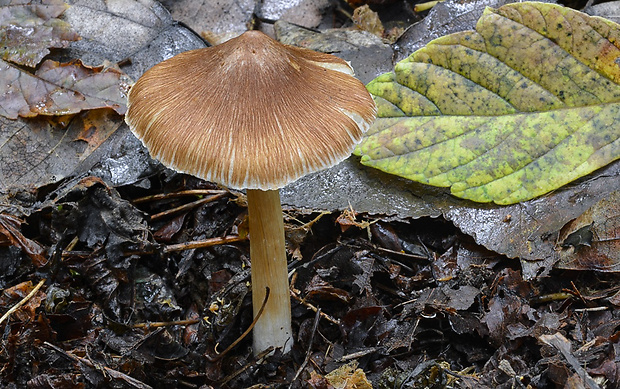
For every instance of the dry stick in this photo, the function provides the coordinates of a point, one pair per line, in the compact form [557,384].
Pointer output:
[358,354]
[578,293]
[23,301]
[191,192]
[245,333]
[385,250]
[72,244]
[113,373]
[204,243]
[594,309]
[188,206]
[167,323]
[309,351]
[173,247]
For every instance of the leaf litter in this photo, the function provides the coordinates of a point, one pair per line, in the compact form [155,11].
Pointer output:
[44,150]
[377,303]
[389,309]
[61,89]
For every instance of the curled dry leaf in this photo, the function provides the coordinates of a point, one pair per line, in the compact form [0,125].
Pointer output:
[60,89]
[28,28]
[321,290]
[10,235]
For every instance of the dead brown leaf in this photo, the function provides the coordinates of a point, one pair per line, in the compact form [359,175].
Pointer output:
[12,295]
[60,89]
[10,234]
[318,289]
[592,240]
[28,28]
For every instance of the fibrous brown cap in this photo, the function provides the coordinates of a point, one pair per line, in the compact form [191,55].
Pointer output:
[250,113]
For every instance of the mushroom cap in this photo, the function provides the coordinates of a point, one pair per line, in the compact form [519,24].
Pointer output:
[250,113]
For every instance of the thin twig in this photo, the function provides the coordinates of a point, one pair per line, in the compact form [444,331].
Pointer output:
[203,243]
[309,350]
[23,301]
[593,309]
[245,333]
[578,293]
[385,250]
[187,207]
[191,192]
[197,244]
[157,324]
[358,354]
[72,244]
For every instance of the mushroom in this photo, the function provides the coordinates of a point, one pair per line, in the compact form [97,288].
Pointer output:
[253,114]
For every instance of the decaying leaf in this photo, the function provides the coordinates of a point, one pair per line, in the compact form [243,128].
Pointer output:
[319,289]
[103,219]
[28,28]
[36,152]
[592,241]
[348,377]
[523,105]
[563,346]
[10,234]
[14,294]
[110,228]
[362,281]
[317,381]
[368,20]
[60,89]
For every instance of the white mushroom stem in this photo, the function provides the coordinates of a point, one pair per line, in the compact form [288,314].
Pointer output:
[269,269]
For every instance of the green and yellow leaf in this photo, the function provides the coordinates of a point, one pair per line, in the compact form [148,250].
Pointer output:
[528,102]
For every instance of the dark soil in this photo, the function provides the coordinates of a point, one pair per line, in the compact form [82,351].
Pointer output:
[413,304]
